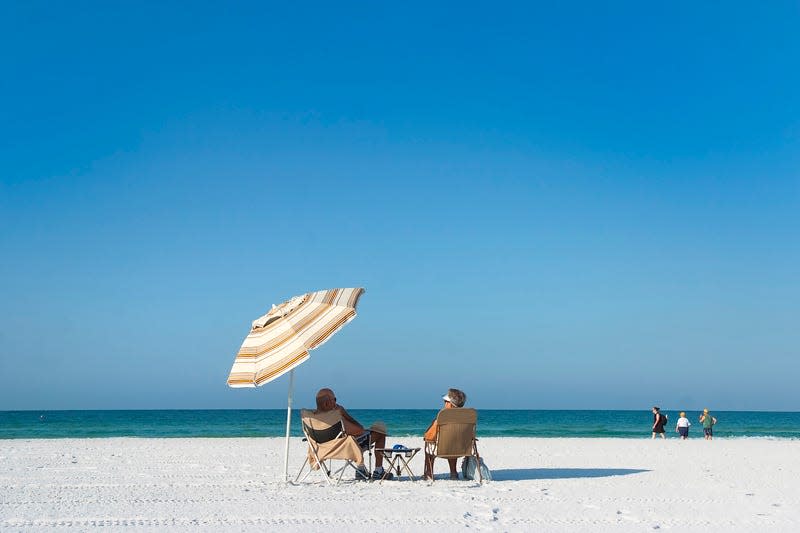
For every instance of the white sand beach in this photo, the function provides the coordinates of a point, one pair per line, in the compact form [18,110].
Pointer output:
[539,484]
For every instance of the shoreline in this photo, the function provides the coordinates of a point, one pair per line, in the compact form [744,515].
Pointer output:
[400,423]
[551,484]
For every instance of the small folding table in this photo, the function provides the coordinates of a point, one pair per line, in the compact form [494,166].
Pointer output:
[398,459]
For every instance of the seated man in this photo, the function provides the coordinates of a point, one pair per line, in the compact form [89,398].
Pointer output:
[326,401]
[452,400]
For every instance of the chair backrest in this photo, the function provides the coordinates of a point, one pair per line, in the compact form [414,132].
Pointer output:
[326,436]
[456,432]
[321,427]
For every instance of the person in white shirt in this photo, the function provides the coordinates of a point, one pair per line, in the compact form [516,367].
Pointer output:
[683,426]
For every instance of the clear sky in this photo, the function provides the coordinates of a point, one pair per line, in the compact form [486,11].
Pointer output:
[551,205]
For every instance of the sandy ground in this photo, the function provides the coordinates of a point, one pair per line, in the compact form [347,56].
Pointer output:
[539,484]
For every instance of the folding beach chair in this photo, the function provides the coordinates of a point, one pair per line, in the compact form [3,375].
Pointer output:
[455,436]
[327,442]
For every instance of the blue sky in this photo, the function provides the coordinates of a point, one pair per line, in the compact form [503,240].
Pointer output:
[578,205]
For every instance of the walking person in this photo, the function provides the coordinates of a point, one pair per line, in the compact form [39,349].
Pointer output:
[683,426]
[708,422]
[659,421]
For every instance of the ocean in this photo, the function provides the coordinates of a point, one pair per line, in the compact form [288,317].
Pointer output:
[400,422]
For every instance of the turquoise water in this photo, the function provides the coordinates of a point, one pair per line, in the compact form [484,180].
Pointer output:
[400,422]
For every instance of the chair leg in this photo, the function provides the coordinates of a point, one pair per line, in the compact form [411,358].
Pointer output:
[430,457]
[302,468]
[478,459]
[324,469]
[344,469]
[329,474]
[333,477]
[429,460]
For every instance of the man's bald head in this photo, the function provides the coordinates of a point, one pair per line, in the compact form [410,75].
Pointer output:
[326,400]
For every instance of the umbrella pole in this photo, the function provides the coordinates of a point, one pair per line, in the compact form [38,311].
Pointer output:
[288,427]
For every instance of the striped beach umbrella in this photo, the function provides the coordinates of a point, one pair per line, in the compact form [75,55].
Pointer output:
[280,340]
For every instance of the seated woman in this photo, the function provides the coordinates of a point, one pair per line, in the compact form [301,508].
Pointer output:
[453,399]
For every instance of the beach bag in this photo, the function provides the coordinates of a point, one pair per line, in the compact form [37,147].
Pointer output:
[469,467]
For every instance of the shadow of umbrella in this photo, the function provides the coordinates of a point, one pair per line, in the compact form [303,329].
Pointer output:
[519,474]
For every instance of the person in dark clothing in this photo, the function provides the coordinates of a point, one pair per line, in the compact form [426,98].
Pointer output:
[659,421]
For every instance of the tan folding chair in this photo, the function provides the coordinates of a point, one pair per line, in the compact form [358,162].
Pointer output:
[455,436]
[327,442]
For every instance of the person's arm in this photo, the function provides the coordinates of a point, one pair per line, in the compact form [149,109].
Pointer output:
[713,421]
[657,418]
[430,433]
[351,425]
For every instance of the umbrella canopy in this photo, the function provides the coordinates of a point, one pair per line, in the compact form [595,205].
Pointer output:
[281,339]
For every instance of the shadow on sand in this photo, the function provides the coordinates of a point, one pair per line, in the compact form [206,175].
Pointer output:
[518,474]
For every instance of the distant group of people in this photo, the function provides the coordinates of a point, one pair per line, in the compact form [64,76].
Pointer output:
[682,427]
[376,434]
